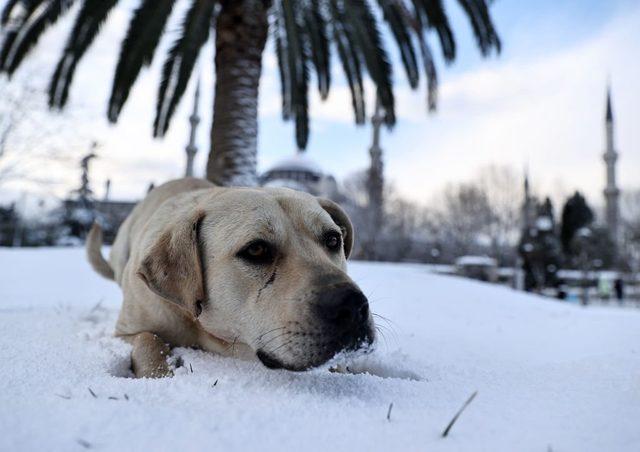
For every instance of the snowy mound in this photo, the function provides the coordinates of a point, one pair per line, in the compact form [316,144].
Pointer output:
[549,376]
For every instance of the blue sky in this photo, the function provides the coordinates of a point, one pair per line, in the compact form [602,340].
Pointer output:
[540,103]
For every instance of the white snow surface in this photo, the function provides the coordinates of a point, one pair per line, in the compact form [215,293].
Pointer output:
[476,260]
[549,376]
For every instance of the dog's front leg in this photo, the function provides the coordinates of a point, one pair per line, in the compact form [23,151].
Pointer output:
[149,356]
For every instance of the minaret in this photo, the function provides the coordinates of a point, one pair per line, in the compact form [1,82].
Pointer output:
[375,181]
[375,186]
[529,205]
[611,191]
[194,119]
[107,189]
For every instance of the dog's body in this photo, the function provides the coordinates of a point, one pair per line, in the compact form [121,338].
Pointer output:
[235,271]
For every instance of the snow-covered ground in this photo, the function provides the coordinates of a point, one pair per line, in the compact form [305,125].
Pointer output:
[549,376]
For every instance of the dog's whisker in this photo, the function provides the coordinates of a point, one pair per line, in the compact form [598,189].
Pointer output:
[261,336]
[389,324]
[381,317]
[288,342]
[383,328]
[384,337]
[276,337]
[232,346]
[260,339]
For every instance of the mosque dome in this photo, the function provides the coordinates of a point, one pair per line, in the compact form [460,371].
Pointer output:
[301,173]
[296,171]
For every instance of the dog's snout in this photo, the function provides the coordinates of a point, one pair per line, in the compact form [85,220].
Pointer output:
[343,307]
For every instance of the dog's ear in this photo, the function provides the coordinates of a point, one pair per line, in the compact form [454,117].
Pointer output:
[173,267]
[340,217]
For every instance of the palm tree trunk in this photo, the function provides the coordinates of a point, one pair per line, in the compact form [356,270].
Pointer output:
[241,35]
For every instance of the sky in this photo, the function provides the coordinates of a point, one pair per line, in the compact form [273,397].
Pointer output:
[538,105]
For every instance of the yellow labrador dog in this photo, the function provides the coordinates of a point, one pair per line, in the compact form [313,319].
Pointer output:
[241,272]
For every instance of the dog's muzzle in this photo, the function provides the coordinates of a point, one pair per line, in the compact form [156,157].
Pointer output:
[340,322]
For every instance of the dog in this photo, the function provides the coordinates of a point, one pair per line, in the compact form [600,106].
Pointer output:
[244,272]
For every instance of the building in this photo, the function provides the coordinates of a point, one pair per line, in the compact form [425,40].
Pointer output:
[81,209]
[80,213]
[299,172]
[611,191]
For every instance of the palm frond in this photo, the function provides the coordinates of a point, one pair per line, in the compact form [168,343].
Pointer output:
[180,62]
[7,42]
[433,15]
[302,110]
[485,33]
[316,30]
[281,54]
[10,28]
[137,50]
[297,70]
[415,22]
[91,16]
[363,26]
[7,10]
[393,15]
[350,61]
[28,33]
[429,69]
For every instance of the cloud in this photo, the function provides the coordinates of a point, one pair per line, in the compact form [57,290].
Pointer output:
[547,112]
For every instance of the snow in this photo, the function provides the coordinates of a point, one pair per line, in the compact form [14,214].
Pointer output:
[544,224]
[549,375]
[476,260]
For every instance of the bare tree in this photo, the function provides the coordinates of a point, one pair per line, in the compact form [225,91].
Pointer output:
[463,218]
[29,137]
[481,216]
[403,229]
[504,193]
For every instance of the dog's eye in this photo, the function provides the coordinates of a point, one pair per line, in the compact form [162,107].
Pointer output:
[332,240]
[258,252]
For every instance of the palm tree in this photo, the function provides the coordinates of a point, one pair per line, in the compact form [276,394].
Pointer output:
[306,32]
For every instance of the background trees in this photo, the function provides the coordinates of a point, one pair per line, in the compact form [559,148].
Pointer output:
[540,249]
[29,139]
[576,214]
[481,216]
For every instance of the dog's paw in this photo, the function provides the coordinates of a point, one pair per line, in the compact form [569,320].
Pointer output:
[149,357]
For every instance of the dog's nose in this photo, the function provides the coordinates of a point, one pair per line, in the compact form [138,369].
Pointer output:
[343,307]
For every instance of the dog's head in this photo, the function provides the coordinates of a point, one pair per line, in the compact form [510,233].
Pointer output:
[265,267]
